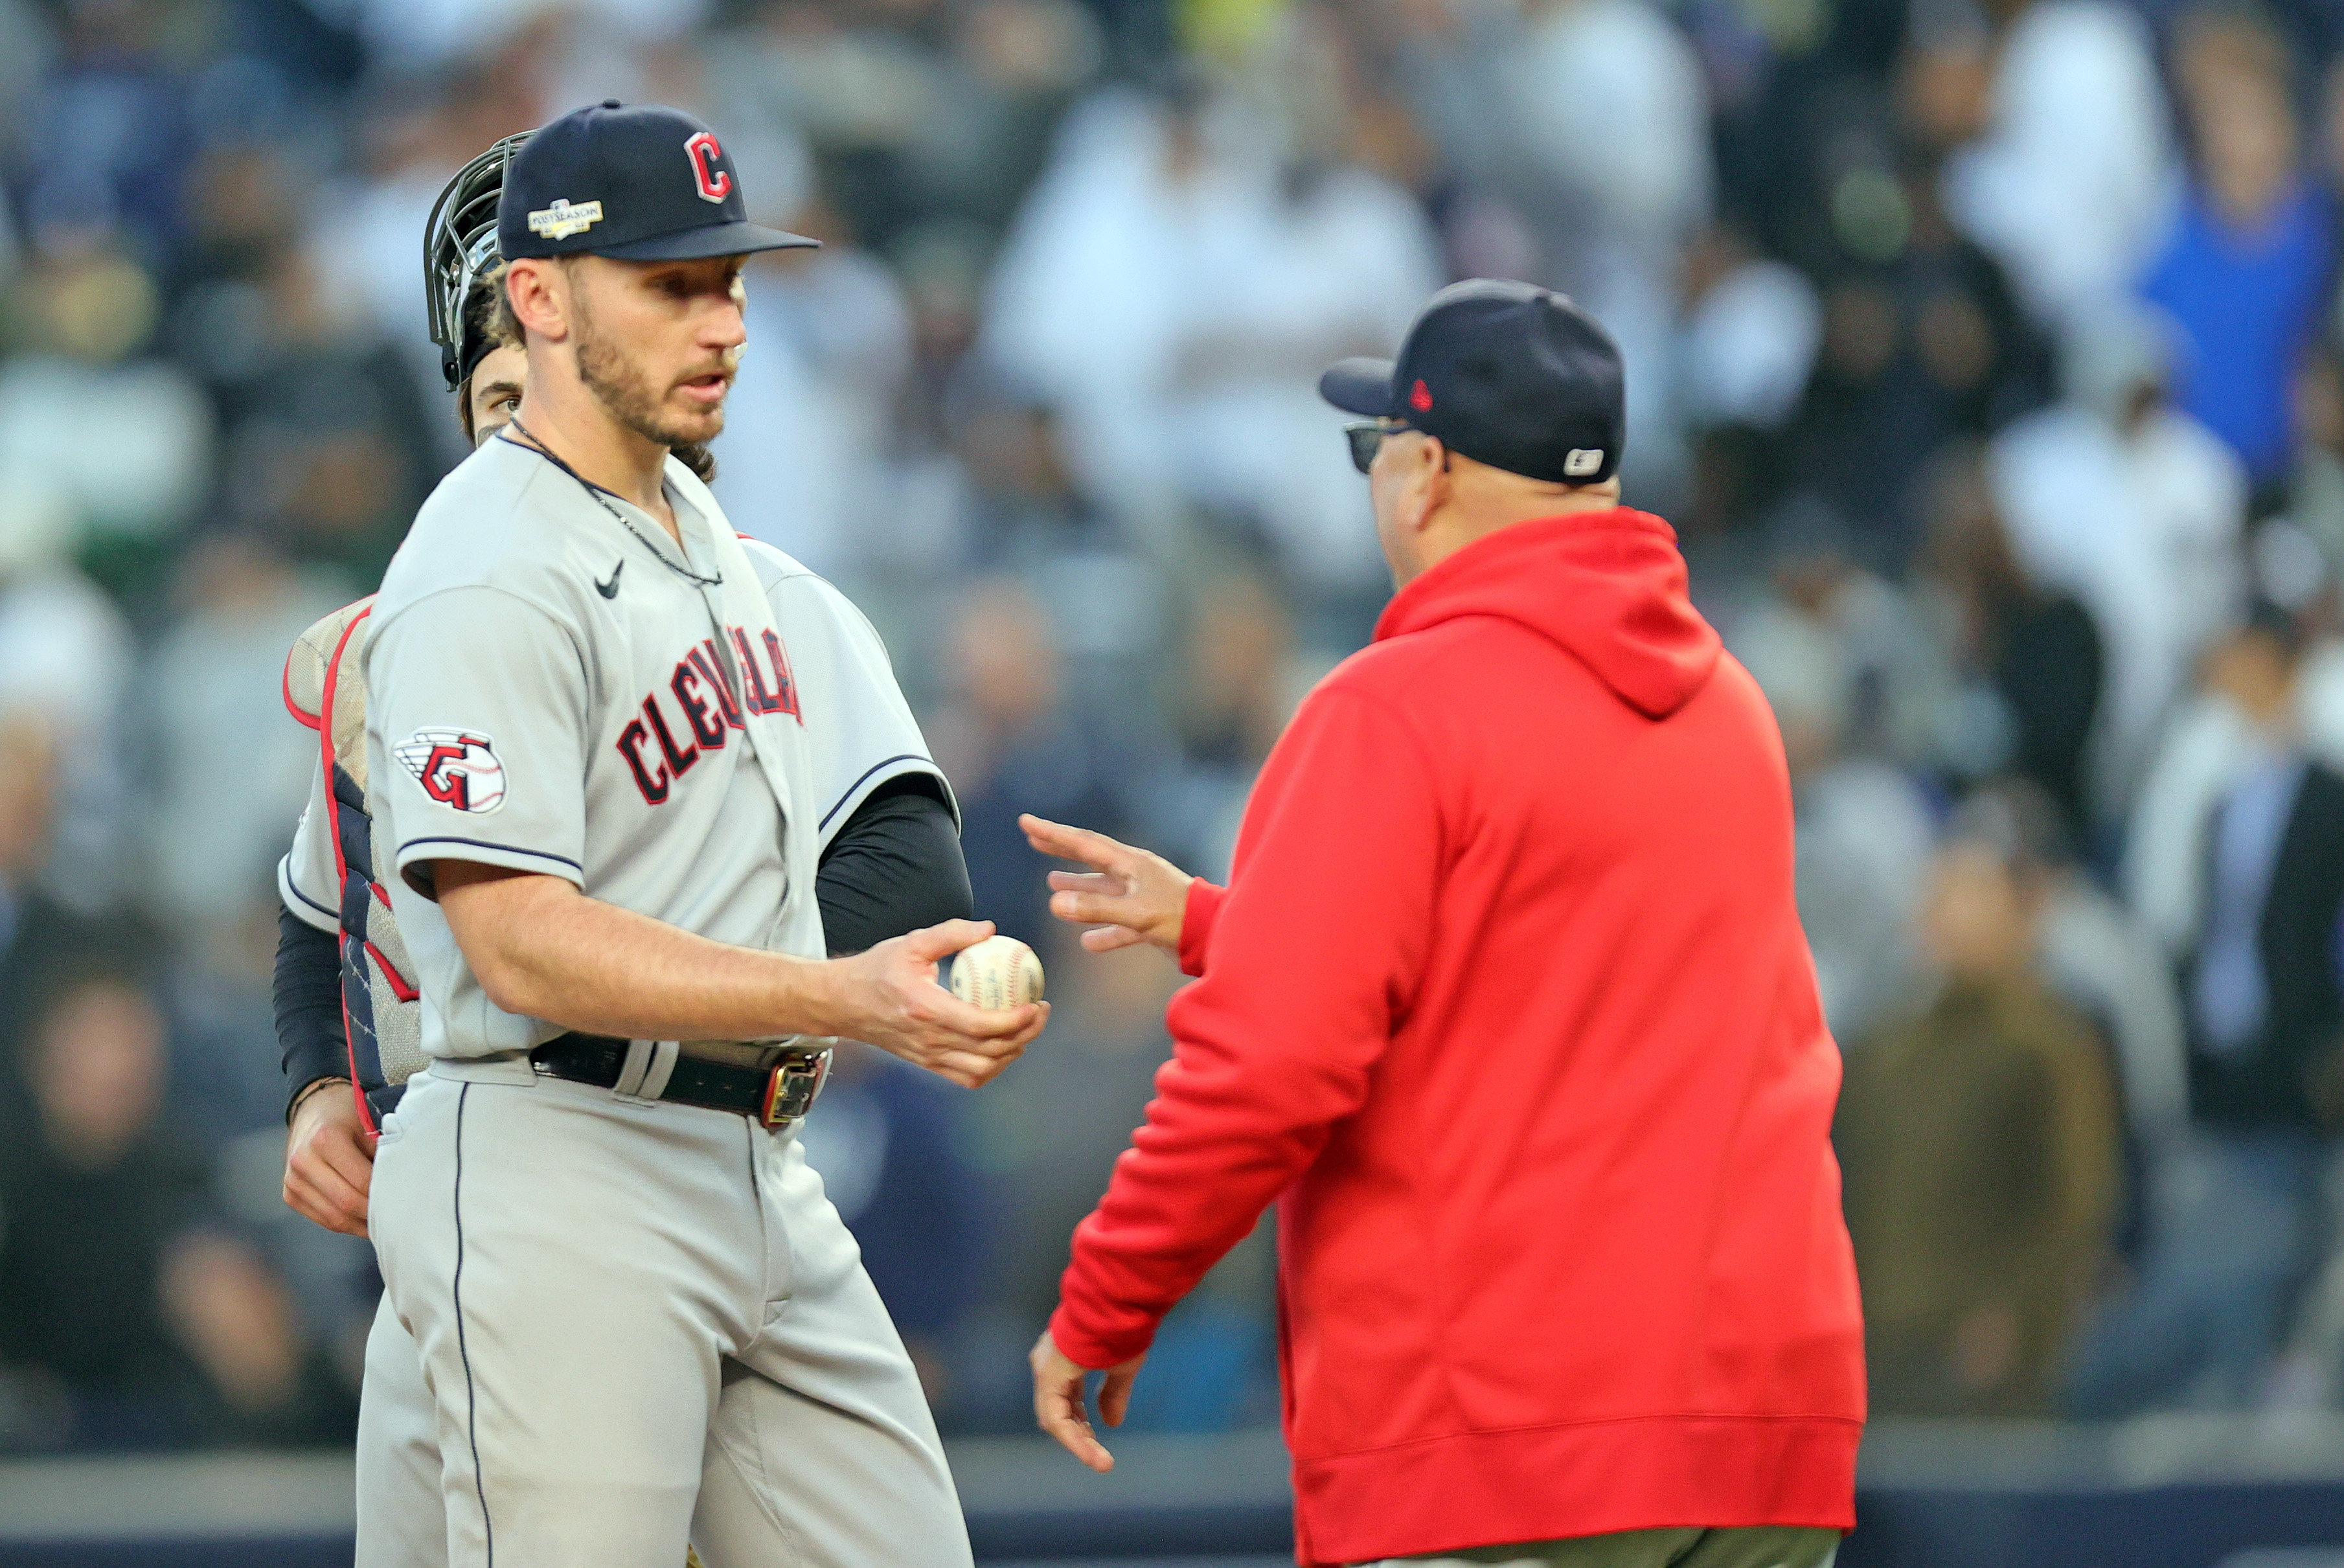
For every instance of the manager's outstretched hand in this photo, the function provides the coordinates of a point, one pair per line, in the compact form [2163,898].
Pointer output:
[1058,1407]
[1131,896]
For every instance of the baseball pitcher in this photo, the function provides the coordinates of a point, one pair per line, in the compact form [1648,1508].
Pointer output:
[591,769]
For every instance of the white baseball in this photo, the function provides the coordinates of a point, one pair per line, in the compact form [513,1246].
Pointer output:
[997,973]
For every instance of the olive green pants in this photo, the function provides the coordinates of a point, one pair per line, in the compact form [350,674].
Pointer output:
[1752,1547]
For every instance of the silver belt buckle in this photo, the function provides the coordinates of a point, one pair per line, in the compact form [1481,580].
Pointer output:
[795,1080]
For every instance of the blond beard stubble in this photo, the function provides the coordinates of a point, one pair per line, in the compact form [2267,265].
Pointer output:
[620,384]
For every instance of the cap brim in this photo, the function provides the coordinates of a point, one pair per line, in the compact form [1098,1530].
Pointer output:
[709,240]
[1359,386]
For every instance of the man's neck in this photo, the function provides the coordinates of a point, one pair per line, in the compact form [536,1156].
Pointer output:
[1461,526]
[569,421]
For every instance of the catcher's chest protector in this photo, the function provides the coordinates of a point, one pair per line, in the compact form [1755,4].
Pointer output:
[381,1009]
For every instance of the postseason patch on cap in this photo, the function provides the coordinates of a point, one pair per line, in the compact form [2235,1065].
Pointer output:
[565,218]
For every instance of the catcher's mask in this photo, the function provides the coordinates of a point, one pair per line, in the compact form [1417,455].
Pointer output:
[460,244]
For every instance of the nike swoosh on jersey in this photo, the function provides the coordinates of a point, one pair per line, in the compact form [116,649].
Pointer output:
[610,590]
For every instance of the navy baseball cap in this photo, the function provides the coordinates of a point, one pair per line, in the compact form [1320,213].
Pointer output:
[1508,374]
[634,183]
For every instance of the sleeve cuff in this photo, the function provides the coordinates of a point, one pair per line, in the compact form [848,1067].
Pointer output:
[1197,924]
[1097,1352]
[418,852]
[836,815]
[305,909]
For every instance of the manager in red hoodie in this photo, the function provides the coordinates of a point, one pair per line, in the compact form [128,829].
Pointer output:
[1507,1006]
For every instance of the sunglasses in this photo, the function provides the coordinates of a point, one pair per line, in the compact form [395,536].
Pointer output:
[1367,439]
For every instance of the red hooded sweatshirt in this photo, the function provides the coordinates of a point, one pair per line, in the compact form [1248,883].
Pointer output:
[1508,1008]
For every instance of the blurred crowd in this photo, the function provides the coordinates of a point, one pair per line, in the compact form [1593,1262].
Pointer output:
[1987,354]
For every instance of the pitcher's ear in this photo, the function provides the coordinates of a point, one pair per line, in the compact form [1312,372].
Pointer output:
[538,292]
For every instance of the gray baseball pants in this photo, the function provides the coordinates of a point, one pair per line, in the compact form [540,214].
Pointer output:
[632,1325]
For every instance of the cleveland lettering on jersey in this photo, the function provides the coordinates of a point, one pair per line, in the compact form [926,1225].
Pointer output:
[782,698]
[710,710]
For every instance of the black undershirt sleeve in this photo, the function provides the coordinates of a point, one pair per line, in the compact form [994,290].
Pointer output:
[895,866]
[309,990]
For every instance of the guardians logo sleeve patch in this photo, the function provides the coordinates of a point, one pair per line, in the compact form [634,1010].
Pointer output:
[457,768]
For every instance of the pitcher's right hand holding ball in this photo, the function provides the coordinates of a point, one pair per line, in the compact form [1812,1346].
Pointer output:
[1130,895]
[888,996]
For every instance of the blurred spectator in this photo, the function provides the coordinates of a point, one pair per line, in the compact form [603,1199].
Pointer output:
[1863,831]
[331,446]
[215,986]
[66,655]
[2135,509]
[2238,861]
[2247,267]
[1010,745]
[124,1320]
[1241,678]
[1816,569]
[30,916]
[94,1202]
[262,1381]
[1021,507]
[2100,959]
[411,131]
[115,99]
[2315,495]
[890,1147]
[943,270]
[913,111]
[1011,505]
[832,346]
[1176,292]
[227,772]
[1981,1147]
[2030,661]
[1749,336]
[1923,340]
[82,313]
[2310,1373]
[2067,183]
[2264,999]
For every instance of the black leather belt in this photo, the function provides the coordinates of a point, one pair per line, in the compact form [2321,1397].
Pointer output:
[777,1089]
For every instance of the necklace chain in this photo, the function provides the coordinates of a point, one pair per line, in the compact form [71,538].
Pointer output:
[602,500]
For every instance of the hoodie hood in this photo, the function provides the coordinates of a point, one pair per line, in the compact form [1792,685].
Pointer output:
[1608,587]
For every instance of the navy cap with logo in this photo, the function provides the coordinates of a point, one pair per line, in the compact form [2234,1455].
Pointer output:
[1507,374]
[637,182]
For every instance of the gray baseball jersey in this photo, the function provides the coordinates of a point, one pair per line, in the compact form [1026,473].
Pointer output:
[634,1320]
[513,659]
[859,731]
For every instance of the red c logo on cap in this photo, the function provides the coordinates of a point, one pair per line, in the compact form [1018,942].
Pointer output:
[1420,398]
[703,149]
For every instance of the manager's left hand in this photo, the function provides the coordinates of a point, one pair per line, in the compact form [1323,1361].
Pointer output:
[1058,1407]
